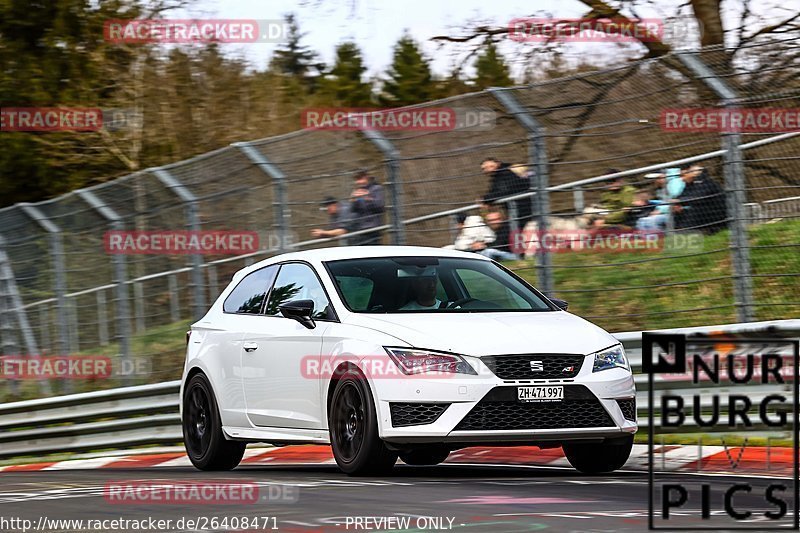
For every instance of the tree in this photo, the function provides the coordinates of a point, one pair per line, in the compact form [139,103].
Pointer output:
[344,84]
[295,60]
[54,55]
[409,77]
[453,83]
[492,70]
[709,15]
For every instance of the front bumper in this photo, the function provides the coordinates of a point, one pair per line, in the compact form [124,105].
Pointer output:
[466,394]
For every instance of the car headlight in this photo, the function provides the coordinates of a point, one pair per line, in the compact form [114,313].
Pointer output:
[613,357]
[414,361]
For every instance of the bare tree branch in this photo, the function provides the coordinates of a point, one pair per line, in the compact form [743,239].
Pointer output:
[787,23]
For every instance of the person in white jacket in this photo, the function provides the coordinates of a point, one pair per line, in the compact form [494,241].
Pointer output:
[474,235]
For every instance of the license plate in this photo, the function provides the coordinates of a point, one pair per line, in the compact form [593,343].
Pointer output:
[540,394]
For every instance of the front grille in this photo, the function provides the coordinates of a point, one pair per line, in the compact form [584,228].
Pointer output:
[628,408]
[500,410]
[553,366]
[416,414]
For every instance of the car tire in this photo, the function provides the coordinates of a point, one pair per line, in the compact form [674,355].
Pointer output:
[424,456]
[353,424]
[600,458]
[205,443]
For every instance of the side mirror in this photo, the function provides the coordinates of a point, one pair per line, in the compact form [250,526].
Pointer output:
[561,304]
[300,310]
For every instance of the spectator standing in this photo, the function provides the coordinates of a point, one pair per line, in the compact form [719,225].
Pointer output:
[338,220]
[503,182]
[367,204]
[701,205]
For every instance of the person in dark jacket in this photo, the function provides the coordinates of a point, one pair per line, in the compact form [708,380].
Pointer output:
[701,205]
[505,182]
[339,222]
[367,203]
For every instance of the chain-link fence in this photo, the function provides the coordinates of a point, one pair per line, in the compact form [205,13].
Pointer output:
[573,139]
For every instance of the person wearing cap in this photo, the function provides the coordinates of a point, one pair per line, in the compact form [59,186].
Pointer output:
[367,204]
[338,220]
[650,210]
[423,285]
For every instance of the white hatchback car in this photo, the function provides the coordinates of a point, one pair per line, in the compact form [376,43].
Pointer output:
[387,351]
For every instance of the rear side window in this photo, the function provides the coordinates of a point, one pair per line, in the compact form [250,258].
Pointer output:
[248,296]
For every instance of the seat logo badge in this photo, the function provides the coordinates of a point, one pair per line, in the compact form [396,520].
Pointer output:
[537,366]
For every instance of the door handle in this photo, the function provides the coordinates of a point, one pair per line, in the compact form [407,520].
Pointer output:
[250,346]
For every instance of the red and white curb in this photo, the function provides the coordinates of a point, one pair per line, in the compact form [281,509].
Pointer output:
[774,461]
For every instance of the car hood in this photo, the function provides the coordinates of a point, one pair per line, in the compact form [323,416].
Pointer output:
[491,333]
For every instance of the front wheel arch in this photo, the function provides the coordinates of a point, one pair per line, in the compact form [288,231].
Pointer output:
[341,370]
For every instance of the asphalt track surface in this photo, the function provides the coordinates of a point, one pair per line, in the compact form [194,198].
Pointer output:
[470,498]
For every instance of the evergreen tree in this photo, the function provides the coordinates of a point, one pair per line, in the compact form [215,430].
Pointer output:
[295,60]
[453,84]
[344,84]
[492,70]
[54,55]
[410,80]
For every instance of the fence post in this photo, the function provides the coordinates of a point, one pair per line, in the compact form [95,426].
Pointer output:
[193,222]
[8,336]
[578,200]
[540,197]
[102,320]
[735,196]
[174,312]
[12,305]
[66,343]
[138,307]
[120,277]
[395,184]
[44,337]
[279,193]
[213,288]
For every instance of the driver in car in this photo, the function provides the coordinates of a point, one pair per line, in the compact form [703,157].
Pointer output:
[423,285]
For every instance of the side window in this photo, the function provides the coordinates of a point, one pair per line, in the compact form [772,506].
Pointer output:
[249,294]
[357,291]
[297,281]
[488,289]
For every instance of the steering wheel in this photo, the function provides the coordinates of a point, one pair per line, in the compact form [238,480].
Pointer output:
[459,303]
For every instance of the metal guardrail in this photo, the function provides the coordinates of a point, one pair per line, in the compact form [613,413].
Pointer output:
[148,414]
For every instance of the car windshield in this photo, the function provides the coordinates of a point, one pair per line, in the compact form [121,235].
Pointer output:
[431,285]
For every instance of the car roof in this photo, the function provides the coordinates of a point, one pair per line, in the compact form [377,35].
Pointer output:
[356,252]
